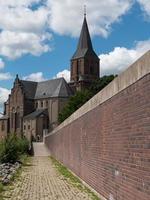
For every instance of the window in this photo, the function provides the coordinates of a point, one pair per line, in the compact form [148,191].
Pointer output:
[3,126]
[17,120]
[36,105]
[28,126]
[12,120]
[46,103]
[41,104]
[91,70]
[13,117]
[24,127]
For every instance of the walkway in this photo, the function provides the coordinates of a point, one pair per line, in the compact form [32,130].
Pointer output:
[40,149]
[41,181]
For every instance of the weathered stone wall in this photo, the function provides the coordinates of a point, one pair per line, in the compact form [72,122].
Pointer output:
[107,141]
[16,109]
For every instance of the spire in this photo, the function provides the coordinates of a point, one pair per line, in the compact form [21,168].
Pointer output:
[84,44]
[17,79]
[84,11]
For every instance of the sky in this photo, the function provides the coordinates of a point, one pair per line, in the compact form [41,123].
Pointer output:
[39,37]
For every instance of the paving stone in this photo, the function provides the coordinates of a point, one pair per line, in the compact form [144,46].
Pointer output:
[41,181]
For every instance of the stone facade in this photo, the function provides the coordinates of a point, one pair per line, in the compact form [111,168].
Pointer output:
[25,109]
[30,113]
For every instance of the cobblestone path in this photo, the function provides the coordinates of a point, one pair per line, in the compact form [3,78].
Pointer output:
[41,181]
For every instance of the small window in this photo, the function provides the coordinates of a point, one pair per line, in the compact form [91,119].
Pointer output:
[41,104]
[36,104]
[3,126]
[28,126]
[91,70]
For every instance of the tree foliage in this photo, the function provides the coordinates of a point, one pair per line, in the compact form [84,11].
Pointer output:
[74,103]
[81,97]
[100,83]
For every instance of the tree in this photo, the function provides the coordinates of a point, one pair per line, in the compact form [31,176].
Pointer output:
[100,83]
[74,103]
[81,97]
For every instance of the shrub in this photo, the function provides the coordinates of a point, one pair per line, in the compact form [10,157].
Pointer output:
[12,147]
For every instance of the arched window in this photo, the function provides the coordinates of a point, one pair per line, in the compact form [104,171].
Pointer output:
[3,126]
[17,120]
[12,117]
[36,104]
[91,70]
[18,117]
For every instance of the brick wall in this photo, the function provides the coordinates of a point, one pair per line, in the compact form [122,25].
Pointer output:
[109,146]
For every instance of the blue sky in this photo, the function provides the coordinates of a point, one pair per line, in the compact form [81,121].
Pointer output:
[38,37]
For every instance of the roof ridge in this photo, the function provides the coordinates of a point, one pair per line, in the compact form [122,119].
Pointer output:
[50,80]
[29,81]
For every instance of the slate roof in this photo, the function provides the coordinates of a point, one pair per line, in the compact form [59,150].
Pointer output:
[51,88]
[36,113]
[29,88]
[85,45]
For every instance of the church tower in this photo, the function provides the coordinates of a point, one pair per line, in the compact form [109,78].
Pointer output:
[85,62]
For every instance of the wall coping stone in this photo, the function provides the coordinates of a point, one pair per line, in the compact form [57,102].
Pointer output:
[136,71]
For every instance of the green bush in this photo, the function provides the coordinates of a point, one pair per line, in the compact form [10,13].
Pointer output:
[12,147]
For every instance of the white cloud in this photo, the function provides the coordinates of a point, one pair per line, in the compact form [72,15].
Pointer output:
[18,2]
[65,74]
[120,58]
[23,29]
[16,44]
[145,4]
[66,16]
[5,76]
[23,19]
[2,64]
[38,77]
[4,92]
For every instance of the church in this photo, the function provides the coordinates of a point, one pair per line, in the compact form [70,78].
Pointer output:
[32,108]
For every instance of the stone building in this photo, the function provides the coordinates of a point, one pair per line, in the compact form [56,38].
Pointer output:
[33,107]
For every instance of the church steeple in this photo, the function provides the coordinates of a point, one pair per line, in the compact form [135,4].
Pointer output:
[84,62]
[84,44]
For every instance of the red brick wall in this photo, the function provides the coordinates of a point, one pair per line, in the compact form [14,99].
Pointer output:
[109,147]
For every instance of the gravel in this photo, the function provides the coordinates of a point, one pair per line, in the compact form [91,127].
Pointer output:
[7,170]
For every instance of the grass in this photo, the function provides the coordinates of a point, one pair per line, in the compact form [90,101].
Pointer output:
[25,159]
[75,181]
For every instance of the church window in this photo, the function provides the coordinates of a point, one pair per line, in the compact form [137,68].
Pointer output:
[91,70]
[17,120]
[3,126]
[13,117]
[77,67]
